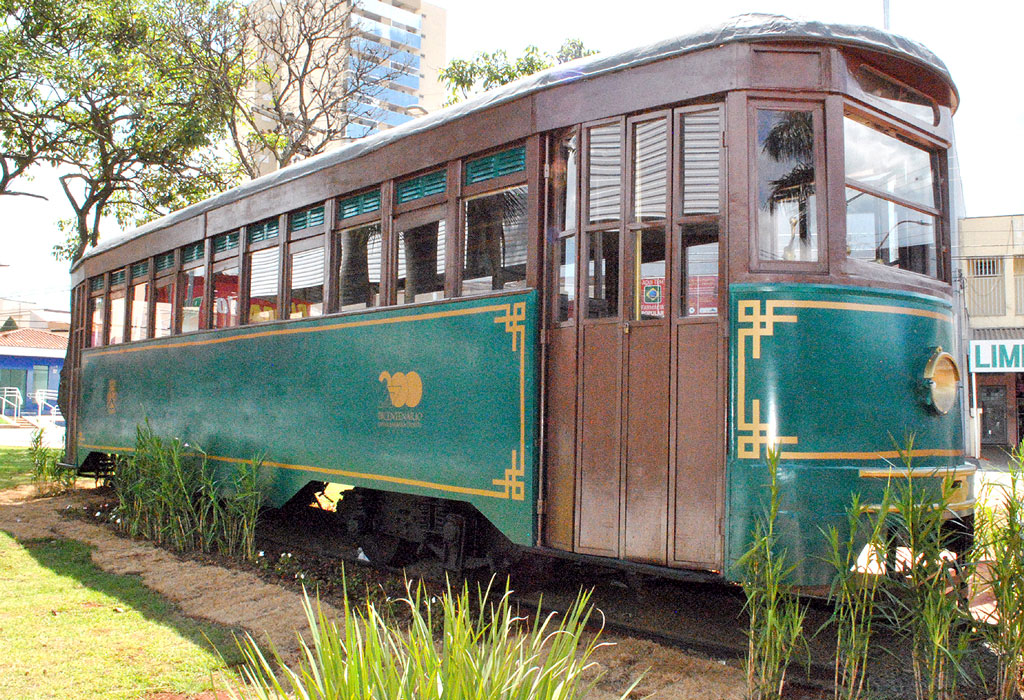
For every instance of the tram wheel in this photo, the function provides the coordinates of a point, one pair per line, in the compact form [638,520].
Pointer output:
[387,550]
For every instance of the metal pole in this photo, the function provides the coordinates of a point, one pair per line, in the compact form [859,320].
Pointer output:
[885,14]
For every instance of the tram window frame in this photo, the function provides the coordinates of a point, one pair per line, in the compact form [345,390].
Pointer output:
[936,149]
[147,280]
[560,234]
[635,228]
[203,317]
[217,268]
[280,241]
[98,295]
[821,195]
[406,221]
[856,64]
[114,292]
[681,219]
[160,280]
[303,245]
[589,230]
[338,226]
[460,262]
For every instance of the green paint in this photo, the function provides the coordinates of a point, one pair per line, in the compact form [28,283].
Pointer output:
[839,381]
[318,399]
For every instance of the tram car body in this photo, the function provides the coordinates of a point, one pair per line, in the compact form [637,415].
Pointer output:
[577,310]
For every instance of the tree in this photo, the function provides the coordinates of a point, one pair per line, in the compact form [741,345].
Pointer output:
[292,75]
[488,70]
[99,90]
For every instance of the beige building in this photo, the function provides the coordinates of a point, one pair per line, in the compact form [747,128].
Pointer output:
[991,265]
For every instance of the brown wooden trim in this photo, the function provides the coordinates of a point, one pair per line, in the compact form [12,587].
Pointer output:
[422,202]
[535,192]
[497,183]
[453,232]
[389,255]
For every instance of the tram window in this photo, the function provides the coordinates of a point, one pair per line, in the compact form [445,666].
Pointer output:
[701,146]
[225,297]
[699,261]
[264,276]
[494,247]
[787,222]
[306,271]
[193,300]
[95,322]
[421,263]
[649,274]
[139,311]
[605,175]
[563,183]
[566,261]
[896,95]
[890,200]
[359,276]
[164,294]
[650,170]
[116,317]
[603,274]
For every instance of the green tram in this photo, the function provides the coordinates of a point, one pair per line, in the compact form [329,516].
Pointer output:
[572,313]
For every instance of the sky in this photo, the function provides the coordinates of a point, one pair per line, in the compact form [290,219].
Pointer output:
[978,41]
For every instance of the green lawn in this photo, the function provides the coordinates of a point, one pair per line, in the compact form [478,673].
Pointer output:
[15,467]
[70,630]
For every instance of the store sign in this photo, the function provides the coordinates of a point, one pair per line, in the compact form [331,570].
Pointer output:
[996,356]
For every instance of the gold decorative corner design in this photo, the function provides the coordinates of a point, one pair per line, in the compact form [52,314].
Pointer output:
[515,320]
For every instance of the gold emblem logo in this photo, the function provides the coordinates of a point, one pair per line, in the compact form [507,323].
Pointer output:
[112,396]
[405,388]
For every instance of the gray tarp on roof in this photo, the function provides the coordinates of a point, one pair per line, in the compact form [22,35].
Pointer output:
[750,27]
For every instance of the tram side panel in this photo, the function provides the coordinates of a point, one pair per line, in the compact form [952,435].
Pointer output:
[437,401]
[834,377]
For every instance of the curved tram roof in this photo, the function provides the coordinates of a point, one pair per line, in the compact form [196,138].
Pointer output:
[744,28]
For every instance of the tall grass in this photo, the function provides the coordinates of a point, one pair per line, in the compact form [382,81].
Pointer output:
[923,588]
[854,591]
[48,476]
[485,652]
[172,496]
[999,549]
[776,617]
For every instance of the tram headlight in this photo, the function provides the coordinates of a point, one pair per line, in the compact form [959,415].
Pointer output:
[941,377]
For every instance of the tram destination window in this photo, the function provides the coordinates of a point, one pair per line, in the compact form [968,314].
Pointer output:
[787,221]
[264,276]
[891,208]
[360,267]
[421,262]
[896,95]
[494,246]
[306,271]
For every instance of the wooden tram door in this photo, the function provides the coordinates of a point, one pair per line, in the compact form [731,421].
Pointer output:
[651,421]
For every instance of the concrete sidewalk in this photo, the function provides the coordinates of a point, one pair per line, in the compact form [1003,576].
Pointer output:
[20,437]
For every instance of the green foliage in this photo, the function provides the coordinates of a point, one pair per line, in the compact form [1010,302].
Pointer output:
[173,496]
[924,585]
[99,88]
[854,591]
[15,467]
[485,651]
[48,476]
[775,613]
[999,552]
[488,70]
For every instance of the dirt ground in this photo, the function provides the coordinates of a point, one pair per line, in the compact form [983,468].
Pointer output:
[242,599]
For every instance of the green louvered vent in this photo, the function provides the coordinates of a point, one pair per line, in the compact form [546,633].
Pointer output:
[263,230]
[164,262]
[422,186]
[140,269]
[308,218]
[225,241]
[192,253]
[360,204]
[496,165]
[116,278]
[95,284]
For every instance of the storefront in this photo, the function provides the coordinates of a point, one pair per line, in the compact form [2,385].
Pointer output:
[997,384]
